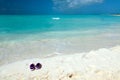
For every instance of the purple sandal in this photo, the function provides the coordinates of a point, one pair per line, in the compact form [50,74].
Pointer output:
[32,67]
[38,66]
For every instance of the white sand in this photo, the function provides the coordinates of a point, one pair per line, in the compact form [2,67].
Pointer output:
[103,64]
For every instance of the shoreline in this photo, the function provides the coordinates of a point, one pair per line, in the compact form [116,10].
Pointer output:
[101,64]
[10,51]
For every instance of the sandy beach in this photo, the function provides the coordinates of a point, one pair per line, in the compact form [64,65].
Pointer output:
[59,40]
[101,64]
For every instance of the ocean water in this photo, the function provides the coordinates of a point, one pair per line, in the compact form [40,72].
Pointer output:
[13,27]
[35,36]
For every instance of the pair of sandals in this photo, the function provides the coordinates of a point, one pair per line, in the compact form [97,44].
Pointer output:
[37,66]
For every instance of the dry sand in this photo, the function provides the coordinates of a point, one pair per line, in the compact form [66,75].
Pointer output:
[102,64]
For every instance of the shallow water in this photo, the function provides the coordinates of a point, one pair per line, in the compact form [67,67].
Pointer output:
[19,26]
[29,36]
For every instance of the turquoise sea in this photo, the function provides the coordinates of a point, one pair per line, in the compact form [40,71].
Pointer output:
[30,36]
[14,27]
